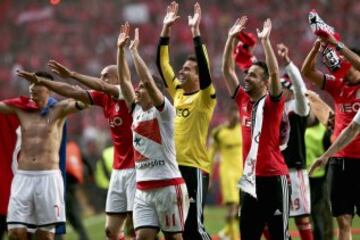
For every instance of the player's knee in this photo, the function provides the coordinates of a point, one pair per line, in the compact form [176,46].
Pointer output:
[344,223]
[16,234]
[177,236]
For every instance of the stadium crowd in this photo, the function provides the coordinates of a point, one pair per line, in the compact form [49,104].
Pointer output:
[82,36]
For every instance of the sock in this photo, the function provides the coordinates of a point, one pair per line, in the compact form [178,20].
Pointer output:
[266,233]
[233,232]
[305,231]
[225,230]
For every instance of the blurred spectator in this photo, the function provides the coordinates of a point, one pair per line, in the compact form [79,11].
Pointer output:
[82,34]
[74,177]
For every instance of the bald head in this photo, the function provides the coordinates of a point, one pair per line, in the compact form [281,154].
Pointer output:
[109,74]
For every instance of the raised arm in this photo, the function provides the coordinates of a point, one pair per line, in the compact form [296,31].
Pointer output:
[319,108]
[162,57]
[123,68]
[61,88]
[345,137]
[91,82]
[351,56]
[228,62]
[301,104]
[144,73]
[275,88]
[200,49]
[308,68]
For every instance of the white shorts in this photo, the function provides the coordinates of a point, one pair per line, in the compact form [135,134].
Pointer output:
[300,193]
[36,199]
[165,208]
[121,193]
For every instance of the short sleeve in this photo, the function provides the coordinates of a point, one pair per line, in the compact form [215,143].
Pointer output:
[97,98]
[167,113]
[238,95]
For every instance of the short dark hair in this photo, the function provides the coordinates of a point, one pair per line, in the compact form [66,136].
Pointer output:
[193,59]
[44,75]
[355,50]
[264,67]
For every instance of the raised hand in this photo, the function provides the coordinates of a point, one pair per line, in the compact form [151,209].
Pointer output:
[238,26]
[264,34]
[320,162]
[283,52]
[171,14]
[59,69]
[194,21]
[29,76]
[135,43]
[330,39]
[123,35]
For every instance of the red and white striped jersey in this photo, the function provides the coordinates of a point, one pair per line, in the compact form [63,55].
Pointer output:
[154,148]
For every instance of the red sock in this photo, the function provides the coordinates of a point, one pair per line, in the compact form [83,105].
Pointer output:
[305,231]
[266,233]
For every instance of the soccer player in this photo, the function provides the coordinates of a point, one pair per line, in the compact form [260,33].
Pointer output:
[227,140]
[346,136]
[194,99]
[317,140]
[264,185]
[161,199]
[298,110]
[107,94]
[37,190]
[9,139]
[344,165]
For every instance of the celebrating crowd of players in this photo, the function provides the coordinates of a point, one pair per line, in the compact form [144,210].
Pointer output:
[161,164]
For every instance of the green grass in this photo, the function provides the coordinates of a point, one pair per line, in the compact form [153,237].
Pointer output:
[214,221]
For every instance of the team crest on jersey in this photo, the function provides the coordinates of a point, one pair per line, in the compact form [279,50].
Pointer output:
[117,107]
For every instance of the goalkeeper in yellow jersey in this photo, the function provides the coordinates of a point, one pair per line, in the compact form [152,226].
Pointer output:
[226,139]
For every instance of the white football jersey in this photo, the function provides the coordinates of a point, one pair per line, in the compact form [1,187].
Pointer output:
[153,140]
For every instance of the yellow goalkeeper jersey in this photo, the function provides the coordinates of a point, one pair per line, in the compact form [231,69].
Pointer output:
[228,142]
[193,111]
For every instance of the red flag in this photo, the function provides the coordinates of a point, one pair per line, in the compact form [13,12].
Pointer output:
[8,139]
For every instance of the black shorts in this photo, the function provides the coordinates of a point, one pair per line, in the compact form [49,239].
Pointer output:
[344,182]
[197,183]
[271,208]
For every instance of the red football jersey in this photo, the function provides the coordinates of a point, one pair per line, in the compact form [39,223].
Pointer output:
[270,161]
[8,139]
[120,121]
[347,103]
